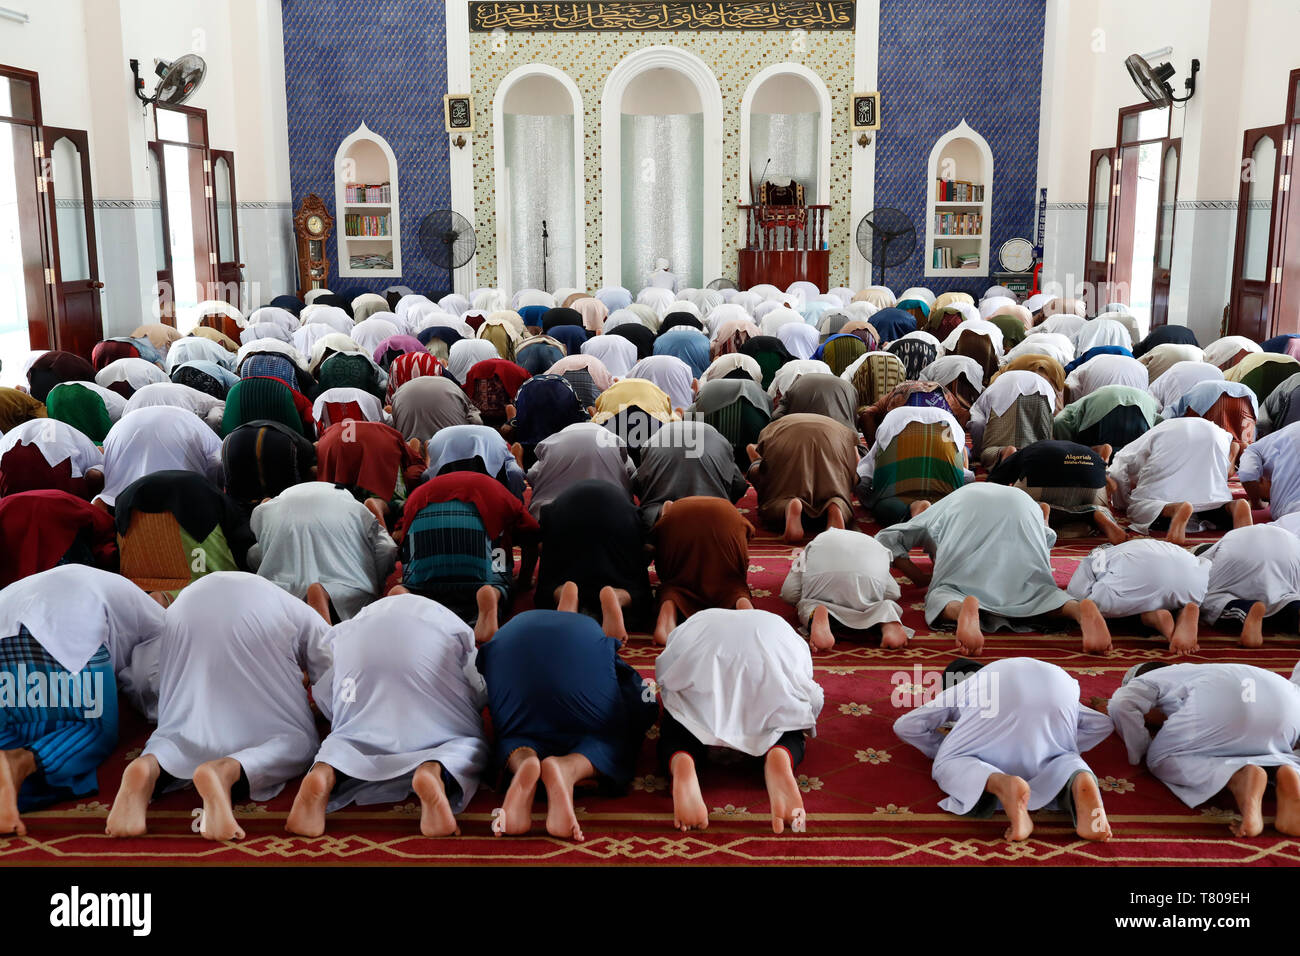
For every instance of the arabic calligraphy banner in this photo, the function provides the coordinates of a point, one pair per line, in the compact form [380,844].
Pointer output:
[488,16]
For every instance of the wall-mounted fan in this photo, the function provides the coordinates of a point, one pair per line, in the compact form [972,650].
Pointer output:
[1153,81]
[177,79]
[886,237]
[447,239]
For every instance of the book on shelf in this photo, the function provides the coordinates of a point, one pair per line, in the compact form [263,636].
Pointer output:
[356,225]
[378,260]
[362,192]
[944,257]
[958,223]
[958,190]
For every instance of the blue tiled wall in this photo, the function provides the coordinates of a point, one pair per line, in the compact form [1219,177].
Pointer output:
[942,62]
[384,63]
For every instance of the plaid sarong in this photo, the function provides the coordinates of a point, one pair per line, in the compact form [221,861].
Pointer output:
[69,743]
[922,462]
[447,556]
[1029,419]
[877,376]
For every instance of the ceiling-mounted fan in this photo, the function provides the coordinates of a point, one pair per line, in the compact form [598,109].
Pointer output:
[1153,81]
[177,79]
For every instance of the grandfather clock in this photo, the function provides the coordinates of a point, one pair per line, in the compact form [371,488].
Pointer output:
[312,224]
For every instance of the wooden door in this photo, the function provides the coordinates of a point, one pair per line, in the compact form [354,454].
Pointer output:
[225,226]
[70,211]
[1165,222]
[161,235]
[1101,196]
[1250,313]
[1285,317]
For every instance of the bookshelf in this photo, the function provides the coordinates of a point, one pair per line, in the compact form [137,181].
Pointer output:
[367,215]
[958,209]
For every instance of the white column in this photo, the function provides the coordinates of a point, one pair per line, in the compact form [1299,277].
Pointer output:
[462,160]
[866,62]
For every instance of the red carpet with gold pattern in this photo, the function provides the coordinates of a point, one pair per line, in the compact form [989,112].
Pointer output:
[869,797]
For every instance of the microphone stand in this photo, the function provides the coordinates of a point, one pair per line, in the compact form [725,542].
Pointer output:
[546,284]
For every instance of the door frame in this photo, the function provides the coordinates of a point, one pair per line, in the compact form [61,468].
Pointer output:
[1160,276]
[1118,267]
[1249,139]
[66,337]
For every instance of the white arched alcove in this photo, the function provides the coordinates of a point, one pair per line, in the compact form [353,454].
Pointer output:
[551,91]
[799,87]
[697,73]
[365,158]
[961,154]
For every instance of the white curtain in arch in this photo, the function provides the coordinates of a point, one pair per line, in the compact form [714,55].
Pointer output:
[663,197]
[539,178]
[791,140]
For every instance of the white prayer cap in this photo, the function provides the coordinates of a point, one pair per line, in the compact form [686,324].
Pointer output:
[661,265]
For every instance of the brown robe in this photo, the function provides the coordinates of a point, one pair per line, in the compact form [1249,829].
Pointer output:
[702,554]
[809,457]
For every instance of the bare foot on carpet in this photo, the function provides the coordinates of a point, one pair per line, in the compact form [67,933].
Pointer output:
[1013,793]
[1096,635]
[892,635]
[15,767]
[436,818]
[819,630]
[213,781]
[1161,621]
[1089,810]
[130,806]
[783,792]
[970,639]
[793,521]
[1113,532]
[1184,639]
[559,774]
[1247,787]
[665,623]
[1288,801]
[689,809]
[485,626]
[307,815]
[515,815]
[916,507]
[1178,519]
[1252,631]
[611,613]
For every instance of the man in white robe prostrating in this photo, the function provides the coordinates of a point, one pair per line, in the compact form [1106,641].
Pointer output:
[740,679]
[991,548]
[1179,471]
[1149,579]
[405,699]
[1018,731]
[232,709]
[1219,725]
[842,577]
[1254,577]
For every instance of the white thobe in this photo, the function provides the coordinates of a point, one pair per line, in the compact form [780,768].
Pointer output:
[1180,459]
[72,609]
[1220,718]
[1141,575]
[1256,563]
[162,438]
[738,679]
[57,442]
[207,407]
[1179,379]
[234,649]
[989,541]
[403,690]
[846,572]
[1276,457]
[315,532]
[1018,716]
[1104,370]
